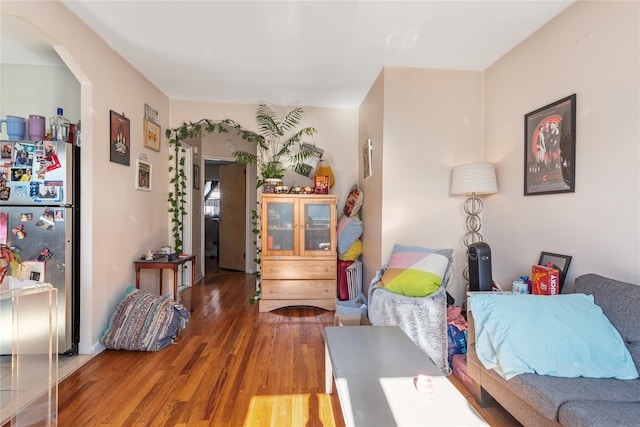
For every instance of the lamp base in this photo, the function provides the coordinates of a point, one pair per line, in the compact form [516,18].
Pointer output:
[472,207]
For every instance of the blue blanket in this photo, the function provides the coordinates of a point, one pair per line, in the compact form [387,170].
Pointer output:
[560,335]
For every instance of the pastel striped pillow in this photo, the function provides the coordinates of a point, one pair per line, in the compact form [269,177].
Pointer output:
[415,271]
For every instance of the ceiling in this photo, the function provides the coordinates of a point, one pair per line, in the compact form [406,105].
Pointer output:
[308,53]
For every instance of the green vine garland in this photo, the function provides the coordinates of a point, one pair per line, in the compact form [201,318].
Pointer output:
[178,178]
[269,141]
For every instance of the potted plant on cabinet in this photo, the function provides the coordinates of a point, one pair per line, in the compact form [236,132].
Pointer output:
[275,146]
[278,144]
[274,150]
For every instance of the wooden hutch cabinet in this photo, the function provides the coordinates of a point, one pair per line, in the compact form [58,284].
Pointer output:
[299,255]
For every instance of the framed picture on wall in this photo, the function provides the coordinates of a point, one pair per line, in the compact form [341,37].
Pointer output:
[550,148]
[151,137]
[143,175]
[367,152]
[119,139]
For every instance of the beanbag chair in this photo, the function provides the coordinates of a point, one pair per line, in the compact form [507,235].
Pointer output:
[144,322]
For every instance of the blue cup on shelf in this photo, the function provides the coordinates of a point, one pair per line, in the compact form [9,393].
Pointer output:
[15,127]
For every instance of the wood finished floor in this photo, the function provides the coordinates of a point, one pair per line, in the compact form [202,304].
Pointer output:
[232,366]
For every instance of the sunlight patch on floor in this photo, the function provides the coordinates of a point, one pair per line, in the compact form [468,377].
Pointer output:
[291,409]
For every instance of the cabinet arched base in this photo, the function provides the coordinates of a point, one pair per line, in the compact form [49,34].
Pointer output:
[269,305]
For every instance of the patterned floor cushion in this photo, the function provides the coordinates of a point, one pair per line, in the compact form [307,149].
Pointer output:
[144,322]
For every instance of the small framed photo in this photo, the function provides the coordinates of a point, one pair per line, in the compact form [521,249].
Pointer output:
[6,151]
[196,177]
[24,154]
[367,152]
[561,262]
[151,135]
[119,139]
[550,148]
[321,184]
[143,175]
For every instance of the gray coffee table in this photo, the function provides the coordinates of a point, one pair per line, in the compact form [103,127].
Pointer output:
[374,369]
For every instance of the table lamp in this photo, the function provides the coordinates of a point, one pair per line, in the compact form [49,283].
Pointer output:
[473,179]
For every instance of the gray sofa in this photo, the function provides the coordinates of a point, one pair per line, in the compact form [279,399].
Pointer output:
[539,400]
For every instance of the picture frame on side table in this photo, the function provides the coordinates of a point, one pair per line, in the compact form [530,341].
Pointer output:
[143,175]
[561,262]
[119,139]
[152,134]
[550,148]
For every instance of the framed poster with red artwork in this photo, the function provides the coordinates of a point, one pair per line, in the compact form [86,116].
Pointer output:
[119,139]
[550,148]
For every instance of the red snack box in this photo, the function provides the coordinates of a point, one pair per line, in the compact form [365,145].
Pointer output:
[545,280]
[322,184]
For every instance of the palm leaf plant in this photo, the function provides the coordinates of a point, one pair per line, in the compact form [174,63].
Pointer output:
[276,145]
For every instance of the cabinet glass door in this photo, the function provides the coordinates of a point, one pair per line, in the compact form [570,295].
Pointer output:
[280,226]
[317,220]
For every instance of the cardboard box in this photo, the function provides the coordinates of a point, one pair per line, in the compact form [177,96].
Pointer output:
[545,280]
[351,319]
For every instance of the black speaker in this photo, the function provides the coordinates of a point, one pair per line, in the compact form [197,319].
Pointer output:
[479,258]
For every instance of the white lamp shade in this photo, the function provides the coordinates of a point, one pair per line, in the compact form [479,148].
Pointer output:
[478,178]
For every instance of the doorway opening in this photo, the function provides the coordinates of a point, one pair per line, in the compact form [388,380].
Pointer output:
[226,233]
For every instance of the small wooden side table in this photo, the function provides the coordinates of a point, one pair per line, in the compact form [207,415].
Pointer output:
[164,263]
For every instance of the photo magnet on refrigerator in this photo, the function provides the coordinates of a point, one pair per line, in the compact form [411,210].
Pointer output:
[19,232]
[45,255]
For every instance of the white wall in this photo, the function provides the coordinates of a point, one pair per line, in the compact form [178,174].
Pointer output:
[432,120]
[337,133]
[337,129]
[371,126]
[591,49]
[38,89]
[118,222]
[431,124]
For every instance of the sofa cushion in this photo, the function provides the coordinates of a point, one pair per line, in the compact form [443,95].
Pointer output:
[416,272]
[588,413]
[354,202]
[354,251]
[547,394]
[620,302]
[349,230]
[560,335]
